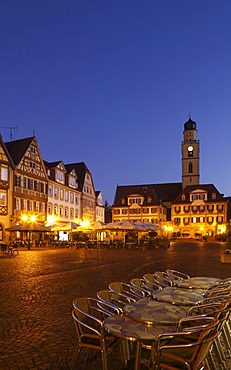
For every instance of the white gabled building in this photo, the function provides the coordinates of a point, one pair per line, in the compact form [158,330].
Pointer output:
[64,198]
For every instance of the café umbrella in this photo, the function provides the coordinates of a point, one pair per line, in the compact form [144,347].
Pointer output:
[34,227]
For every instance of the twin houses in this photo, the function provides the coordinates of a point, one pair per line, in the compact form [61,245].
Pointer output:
[50,192]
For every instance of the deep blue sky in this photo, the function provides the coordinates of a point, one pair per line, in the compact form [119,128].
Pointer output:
[111,83]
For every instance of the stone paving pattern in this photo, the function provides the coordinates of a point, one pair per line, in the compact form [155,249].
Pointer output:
[38,286]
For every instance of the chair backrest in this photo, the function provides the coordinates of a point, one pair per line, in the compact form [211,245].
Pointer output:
[125,289]
[151,282]
[177,275]
[141,284]
[163,279]
[189,346]
[116,299]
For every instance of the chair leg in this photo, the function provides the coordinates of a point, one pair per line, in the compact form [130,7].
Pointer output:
[104,355]
[75,356]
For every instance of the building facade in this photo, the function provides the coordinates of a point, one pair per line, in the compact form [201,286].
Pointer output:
[186,208]
[47,192]
[29,187]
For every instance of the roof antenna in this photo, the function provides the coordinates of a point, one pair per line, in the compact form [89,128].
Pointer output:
[11,128]
[34,132]
[189,115]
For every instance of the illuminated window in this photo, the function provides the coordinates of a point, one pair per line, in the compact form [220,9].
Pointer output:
[124,211]
[4,173]
[2,198]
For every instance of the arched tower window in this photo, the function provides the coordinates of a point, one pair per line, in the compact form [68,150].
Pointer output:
[190,167]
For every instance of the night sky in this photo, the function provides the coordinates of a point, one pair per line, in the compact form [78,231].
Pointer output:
[112,82]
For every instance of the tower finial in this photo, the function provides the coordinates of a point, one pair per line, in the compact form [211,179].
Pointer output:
[189,115]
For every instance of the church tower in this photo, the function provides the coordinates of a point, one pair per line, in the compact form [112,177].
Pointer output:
[190,148]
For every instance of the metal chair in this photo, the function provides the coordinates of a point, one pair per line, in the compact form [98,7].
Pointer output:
[141,284]
[151,282]
[163,279]
[126,289]
[177,275]
[183,350]
[116,299]
[88,315]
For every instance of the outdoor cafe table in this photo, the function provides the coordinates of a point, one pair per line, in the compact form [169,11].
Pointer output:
[123,327]
[177,296]
[154,312]
[198,282]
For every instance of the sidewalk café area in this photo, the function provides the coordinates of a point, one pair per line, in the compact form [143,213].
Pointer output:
[164,320]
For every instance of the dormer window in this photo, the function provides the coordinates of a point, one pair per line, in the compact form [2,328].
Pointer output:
[183,196]
[149,199]
[213,196]
[123,201]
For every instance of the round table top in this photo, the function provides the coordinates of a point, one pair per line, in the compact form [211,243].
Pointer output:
[198,282]
[122,326]
[177,296]
[154,312]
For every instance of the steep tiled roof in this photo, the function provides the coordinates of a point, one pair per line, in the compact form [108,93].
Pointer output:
[51,164]
[17,148]
[209,188]
[81,170]
[166,192]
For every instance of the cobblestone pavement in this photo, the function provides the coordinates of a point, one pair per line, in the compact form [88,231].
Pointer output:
[38,287]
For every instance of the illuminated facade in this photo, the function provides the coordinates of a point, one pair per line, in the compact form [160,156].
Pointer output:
[29,187]
[6,183]
[199,210]
[187,208]
[63,195]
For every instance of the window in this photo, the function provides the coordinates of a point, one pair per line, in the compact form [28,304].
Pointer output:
[213,196]
[66,195]
[56,209]
[71,197]
[61,211]
[71,213]
[210,207]
[30,184]
[123,201]
[153,210]
[210,219]
[177,209]
[50,208]
[202,208]
[190,167]
[145,210]
[76,199]
[61,194]
[4,173]
[177,221]
[2,198]
[76,213]
[116,211]
[149,199]
[219,207]
[24,182]
[17,180]
[194,208]
[186,208]
[66,211]
[50,190]
[124,211]
[17,204]
[56,192]
[183,196]
[186,220]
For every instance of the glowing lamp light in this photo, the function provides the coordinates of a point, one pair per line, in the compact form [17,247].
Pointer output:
[84,223]
[24,218]
[33,218]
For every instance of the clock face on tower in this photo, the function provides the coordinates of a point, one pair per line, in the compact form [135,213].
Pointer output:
[190,148]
